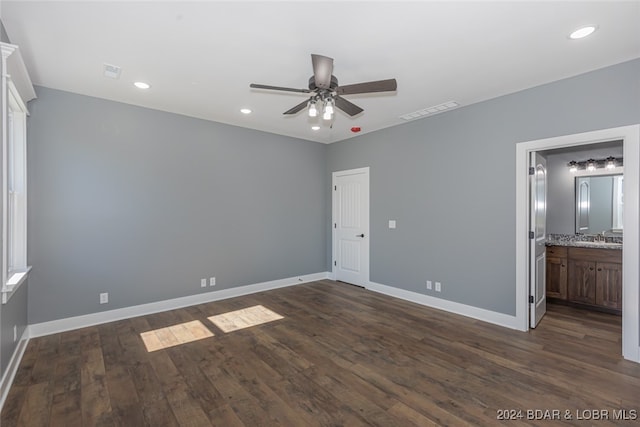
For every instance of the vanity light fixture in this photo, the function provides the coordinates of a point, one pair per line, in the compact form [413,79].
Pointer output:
[593,164]
[573,166]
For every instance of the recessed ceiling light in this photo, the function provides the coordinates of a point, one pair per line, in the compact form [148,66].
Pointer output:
[315,127]
[142,85]
[582,32]
[245,111]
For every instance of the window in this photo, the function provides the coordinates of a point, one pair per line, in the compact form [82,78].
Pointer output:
[15,82]
[15,194]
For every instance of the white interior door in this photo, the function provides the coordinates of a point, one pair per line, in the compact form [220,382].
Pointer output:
[538,259]
[351,226]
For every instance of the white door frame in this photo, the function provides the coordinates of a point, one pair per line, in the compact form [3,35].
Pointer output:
[334,216]
[630,135]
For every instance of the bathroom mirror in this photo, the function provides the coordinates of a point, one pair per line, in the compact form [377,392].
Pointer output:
[599,204]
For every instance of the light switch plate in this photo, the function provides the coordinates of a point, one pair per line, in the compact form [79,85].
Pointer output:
[392,223]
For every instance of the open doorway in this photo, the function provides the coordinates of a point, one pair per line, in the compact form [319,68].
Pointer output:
[584,225]
[630,137]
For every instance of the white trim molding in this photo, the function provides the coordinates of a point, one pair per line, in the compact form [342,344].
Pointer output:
[488,316]
[12,367]
[13,283]
[77,322]
[630,135]
[16,71]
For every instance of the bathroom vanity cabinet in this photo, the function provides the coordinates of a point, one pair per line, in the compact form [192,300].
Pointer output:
[589,277]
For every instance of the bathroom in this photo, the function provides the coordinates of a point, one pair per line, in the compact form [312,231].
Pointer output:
[584,225]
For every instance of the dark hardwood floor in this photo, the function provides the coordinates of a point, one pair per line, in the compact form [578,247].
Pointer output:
[342,356]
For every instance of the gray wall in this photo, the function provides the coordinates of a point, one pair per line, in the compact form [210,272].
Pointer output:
[449,181]
[142,204]
[4,37]
[561,185]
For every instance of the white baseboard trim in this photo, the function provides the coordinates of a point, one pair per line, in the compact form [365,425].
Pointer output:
[12,367]
[494,317]
[77,322]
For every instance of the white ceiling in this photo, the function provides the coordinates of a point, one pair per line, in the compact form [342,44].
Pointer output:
[200,57]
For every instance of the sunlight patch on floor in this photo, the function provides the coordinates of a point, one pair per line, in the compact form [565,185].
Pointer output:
[245,318]
[175,335]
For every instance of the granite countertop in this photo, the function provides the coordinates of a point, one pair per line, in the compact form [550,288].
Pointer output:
[582,241]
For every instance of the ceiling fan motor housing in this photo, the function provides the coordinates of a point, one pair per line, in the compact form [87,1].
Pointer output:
[332,86]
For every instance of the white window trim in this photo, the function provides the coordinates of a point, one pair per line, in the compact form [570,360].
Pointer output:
[16,279]
[17,90]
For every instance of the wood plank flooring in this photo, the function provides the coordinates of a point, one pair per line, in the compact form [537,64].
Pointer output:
[341,356]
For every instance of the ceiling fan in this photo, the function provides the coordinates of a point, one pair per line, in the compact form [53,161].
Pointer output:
[325,92]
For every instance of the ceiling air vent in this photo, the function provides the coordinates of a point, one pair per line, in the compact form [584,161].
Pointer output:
[112,71]
[430,111]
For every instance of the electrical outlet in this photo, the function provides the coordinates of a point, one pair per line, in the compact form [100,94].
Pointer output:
[212,281]
[429,285]
[104,297]
[15,333]
[438,286]
[203,283]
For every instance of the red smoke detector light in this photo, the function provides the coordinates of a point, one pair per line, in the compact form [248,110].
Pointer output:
[355,129]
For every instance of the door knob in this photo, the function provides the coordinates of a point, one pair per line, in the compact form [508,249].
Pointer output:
[360,235]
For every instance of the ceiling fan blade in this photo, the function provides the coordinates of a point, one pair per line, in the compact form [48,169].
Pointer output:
[368,87]
[322,70]
[297,108]
[348,107]
[286,89]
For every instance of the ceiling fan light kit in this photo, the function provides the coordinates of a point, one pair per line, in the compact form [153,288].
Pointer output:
[328,109]
[324,89]
[313,111]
